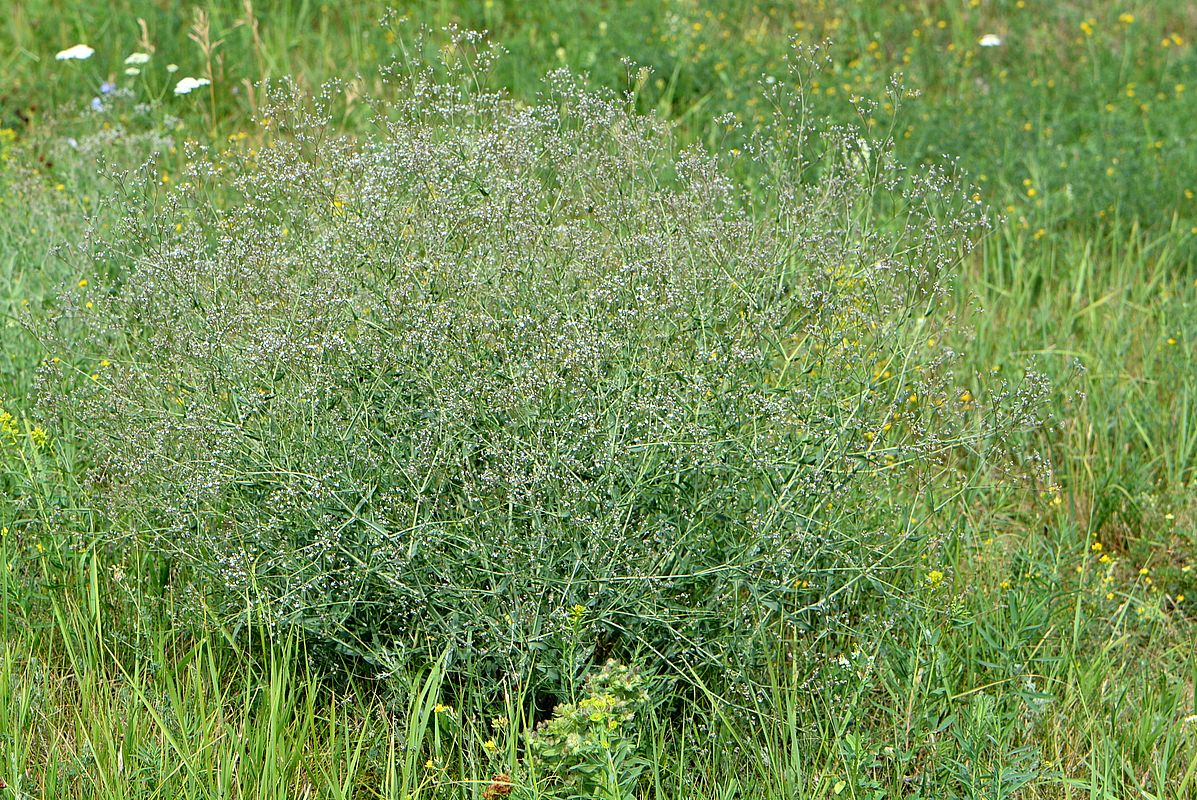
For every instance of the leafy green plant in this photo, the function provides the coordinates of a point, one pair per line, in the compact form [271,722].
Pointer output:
[589,748]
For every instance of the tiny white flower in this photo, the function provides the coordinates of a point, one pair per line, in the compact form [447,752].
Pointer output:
[990,40]
[188,85]
[132,71]
[79,52]
[137,59]
[172,67]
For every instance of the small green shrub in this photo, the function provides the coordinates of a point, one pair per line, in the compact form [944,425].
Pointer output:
[588,748]
[421,389]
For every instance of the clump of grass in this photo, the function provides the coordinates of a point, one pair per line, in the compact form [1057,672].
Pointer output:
[421,389]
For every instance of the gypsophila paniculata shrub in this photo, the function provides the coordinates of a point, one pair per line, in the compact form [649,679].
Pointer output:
[425,387]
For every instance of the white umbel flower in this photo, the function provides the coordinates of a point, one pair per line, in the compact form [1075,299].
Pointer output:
[79,52]
[188,85]
[990,40]
[137,59]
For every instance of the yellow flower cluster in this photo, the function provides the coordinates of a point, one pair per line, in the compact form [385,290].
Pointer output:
[10,428]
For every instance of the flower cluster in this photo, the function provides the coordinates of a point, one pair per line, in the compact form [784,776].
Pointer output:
[134,63]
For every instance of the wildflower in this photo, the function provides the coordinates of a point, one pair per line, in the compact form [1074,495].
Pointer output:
[106,88]
[131,71]
[79,52]
[137,59]
[441,708]
[935,577]
[188,85]
[490,746]
[1126,19]
[990,40]
[172,68]
[38,435]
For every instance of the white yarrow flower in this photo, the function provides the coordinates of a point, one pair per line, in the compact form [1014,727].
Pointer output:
[137,59]
[990,40]
[188,85]
[130,71]
[79,52]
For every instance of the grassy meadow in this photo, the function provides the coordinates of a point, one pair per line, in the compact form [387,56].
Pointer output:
[1030,637]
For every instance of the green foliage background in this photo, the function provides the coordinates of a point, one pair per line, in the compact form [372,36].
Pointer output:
[1053,652]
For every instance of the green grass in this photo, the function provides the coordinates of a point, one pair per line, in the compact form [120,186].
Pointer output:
[1036,669]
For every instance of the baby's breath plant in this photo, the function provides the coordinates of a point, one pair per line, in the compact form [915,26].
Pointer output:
[423,388]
